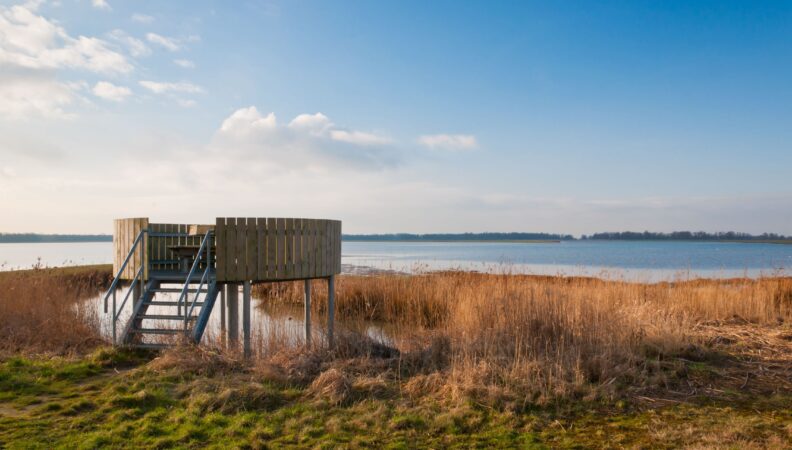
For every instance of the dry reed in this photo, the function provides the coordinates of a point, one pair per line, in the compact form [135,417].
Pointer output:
[42,310]
[538,338]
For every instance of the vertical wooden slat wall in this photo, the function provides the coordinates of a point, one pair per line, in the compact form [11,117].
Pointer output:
[267,249]
[125,231]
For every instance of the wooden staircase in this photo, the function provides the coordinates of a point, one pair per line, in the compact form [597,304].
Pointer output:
[158,320]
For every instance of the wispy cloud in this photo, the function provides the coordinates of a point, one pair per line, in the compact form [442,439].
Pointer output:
[136,47]
[359,137]
[33,42]
[110,91]
[452,142]
[142,18]
[35,96]
[185,63]
[101,4]
[167,43]
[159,87]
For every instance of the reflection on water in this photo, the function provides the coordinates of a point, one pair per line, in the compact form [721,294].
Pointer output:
[269,323]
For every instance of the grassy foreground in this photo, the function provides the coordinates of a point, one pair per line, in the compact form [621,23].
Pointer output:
[121,399]
[475,360]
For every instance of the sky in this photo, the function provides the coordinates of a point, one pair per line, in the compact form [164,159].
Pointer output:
[398,116]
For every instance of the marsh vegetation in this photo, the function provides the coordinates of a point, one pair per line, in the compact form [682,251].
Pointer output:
[471,358]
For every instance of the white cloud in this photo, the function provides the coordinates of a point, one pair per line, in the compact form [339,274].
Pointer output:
[33,42]
[136,47]
[453,142]
[164,87]
[35,96]
[185,63]
[101,4]
[110,91]
[142,18]
[165,42]
[313,123]
[246,120]
[308,142]
[359,137]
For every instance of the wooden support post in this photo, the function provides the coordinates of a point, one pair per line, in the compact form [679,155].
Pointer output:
[307,312]
[223,315]
[330,309]
[232,298]
[246,319]
[137,292]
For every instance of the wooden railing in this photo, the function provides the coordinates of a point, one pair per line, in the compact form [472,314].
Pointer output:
[246,249]
[268,249]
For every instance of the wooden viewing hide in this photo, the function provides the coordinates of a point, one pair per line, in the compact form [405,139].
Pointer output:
[244,249]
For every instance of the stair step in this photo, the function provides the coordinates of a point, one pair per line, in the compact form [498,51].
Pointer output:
[157,331]
[151,346]
[168,303]
[176,290]
[166,317]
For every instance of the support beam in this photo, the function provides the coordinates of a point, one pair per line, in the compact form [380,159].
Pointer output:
[308,312]
[137,292]
[330,309]
[246,318]
[232,300]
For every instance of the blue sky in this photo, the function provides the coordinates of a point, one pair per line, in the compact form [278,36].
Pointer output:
[398,116]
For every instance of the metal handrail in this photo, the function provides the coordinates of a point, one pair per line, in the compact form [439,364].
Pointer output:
[187,313]
[182,296]
[117,311]
[114,284]
[138,278]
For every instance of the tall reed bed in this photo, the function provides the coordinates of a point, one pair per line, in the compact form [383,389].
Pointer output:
[43,310]
[542,337]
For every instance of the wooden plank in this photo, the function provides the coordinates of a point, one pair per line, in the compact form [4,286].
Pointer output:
[261,249]
[281,247]
[230,249]
[288,232]
[241,230]
[314,248]
[127,232]
[220,245]
[272,249]
[251,249]
[298,256]
[306,248]
[328,248]
[339,246]
[321,250]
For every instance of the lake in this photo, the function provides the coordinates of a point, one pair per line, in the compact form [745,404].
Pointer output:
[638,260]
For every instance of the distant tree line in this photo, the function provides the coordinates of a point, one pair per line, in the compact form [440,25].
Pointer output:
[684,236]
[10,238]
[396,237]
[459,237]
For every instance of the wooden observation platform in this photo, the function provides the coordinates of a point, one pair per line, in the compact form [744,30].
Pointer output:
[204,262]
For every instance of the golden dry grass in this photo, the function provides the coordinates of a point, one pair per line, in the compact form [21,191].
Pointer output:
[41,310]
[496,338]
[532,339]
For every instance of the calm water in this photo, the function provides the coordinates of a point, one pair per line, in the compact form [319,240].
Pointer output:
[635,260]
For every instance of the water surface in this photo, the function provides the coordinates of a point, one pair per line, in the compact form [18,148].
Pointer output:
[642,260]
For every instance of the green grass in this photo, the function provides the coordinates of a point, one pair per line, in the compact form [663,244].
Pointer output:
[114,399]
